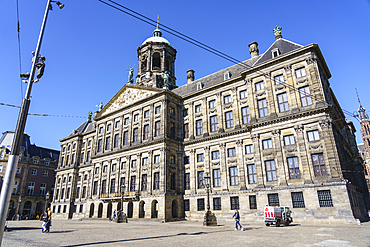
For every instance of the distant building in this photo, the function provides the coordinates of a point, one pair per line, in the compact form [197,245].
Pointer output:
[34,177]
[364,148]
[268,131]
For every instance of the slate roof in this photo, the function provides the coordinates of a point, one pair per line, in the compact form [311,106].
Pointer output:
[84,127]
[284,46]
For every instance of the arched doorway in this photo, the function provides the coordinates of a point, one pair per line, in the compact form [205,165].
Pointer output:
[27,209]
[141,209]
[11,210]
[109,210]
[91,214]
[130,209]
[39,209]
[154,209]
[100,210]
[174,209]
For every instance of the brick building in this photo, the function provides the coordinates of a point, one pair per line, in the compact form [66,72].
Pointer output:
[34,177]
[269,131]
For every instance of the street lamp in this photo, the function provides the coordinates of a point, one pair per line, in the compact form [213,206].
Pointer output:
[121,217]
[209,217]
[47,196]
[6,190]
[16,216]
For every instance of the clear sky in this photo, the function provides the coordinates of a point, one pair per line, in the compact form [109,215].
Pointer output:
[89,46]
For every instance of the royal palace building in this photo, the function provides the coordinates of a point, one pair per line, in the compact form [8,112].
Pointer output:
[268,131]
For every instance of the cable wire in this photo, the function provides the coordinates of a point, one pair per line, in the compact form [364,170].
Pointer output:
[19,47]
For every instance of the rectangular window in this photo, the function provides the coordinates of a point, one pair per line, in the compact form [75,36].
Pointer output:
[300,72]
[136,117]
[123,182]
[100,145]
[201,180]
[289,140]
[279,79]
[96,170]
[156,181]
[186,160]
[199,127]
[270,170]
[172,112]
[81,208]
[231,152]
[313,135]
[245,115]
[234,202]
[118,123]
[84,192]
[249,149]
[212,104]
[105,169]
[172,130]
[297,200]
[123,165]
[217,203]
[187,181]
[229,119]
[198,108]
[186,130]
[243,94]
[319,164]
[126,121]
[157,159]
[104,186]
[293,168]
[64,208]
[185,113]
[273,199]
[200,157]
[101,130]
[42,189]
[146,114]
[227,99]
[172,159]
[133,163]
[233,176]
[95,188]
[259,86]
[135,137]
[33,171]
[213,121]
[145,161]
[325,199]
[114,167]
[283,102]
[215,155]
[45,173]
[216,178]
[158,110]
[262,108]
[57,195]
[267,144]
[252,174]
[200,204]
[186,205]
[35,161]
[78,192]
[116,140]
[144,182]
[252,202]
[133,183]
[125,138]
[62,195]
[305,94]
[157,128]
[107,143]
[146,132]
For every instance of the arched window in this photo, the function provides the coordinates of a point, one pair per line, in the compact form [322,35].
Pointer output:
[156,61]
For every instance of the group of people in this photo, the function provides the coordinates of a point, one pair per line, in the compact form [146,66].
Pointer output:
[46,221]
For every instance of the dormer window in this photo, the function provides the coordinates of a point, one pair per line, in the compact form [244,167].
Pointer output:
[35,161]
[227,75]
[199,86]
[275,52]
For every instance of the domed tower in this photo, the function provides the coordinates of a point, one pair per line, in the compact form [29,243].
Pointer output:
[156,62]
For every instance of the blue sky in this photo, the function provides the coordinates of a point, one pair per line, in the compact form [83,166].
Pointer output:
[89,46]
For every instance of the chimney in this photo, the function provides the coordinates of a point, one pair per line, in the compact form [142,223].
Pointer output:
[190,76]
[253,49]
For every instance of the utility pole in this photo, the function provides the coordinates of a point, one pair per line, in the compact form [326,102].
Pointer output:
[11,167]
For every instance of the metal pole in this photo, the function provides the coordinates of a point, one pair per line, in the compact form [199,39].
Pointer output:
[11,168]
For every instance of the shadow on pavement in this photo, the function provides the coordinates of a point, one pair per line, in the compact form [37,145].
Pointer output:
[138,239]
[22,228]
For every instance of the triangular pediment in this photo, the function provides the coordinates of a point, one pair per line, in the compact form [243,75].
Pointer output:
[128,95]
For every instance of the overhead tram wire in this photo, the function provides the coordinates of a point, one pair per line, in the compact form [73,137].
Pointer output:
[19,47]
[202,46]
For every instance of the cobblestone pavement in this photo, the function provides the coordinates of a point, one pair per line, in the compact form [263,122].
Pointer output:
[185,233]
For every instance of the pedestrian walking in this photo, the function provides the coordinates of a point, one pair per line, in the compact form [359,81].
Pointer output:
[49,218]
[236,216]
[45,222]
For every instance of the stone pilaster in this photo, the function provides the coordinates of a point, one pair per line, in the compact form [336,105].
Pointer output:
[239,153]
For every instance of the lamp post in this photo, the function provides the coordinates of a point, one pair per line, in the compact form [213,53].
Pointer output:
[209,217]
[121,217]
[47,196]
[16,216]
[37,64]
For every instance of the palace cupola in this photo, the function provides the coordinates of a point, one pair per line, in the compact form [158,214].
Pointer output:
[156,62]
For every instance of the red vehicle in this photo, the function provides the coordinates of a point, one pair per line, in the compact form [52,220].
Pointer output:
[277,216]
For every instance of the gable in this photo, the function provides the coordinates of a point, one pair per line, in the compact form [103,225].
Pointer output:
[126,96]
